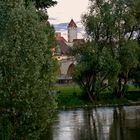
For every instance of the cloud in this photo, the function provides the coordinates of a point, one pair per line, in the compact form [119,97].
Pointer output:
[63,26]
[51,18]
[67,9]
[80,29]
[60,26]
[64,11]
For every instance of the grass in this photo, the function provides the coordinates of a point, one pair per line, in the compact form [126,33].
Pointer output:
[69,95]
[133,93]
[68,89]
[133,88]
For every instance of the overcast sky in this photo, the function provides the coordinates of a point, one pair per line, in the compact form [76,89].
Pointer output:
[61,14]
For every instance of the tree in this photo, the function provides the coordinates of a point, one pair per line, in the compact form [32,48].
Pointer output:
[128,59]
[135,72]
[111,24]
[41,3]
[27,72]
[93,69]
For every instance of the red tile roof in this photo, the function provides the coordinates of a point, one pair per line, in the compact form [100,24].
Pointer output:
[72,24]
[61,43]
[59,37]
[64,48]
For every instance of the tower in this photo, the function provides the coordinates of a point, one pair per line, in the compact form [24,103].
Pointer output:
[72,31]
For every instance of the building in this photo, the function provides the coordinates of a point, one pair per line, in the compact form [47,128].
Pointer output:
[72,31]
[66,62]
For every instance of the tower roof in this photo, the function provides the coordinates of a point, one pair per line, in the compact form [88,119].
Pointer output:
[72,24]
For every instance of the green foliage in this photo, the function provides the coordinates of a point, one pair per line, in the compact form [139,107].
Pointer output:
[133,95]
[135,73]
[66,98]
[27,72]
[127,57]
[94,67]
[111,25]
[41,3]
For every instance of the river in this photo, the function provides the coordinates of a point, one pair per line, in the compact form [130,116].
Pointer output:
[101,123]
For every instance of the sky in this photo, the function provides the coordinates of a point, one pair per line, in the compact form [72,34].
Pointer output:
[65,10]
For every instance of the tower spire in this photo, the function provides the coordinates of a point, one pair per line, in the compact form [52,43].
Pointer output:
[72,24]
[72,31]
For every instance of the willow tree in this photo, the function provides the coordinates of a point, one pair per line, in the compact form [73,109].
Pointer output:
[93,68]
[111,24]
[26,72]
[135,73]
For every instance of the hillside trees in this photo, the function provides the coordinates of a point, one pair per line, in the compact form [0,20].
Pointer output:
[27,72]
[111,26]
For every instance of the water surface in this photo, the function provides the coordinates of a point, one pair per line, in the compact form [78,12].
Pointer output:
[103,123]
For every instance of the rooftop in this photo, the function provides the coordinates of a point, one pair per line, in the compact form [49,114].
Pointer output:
[72,24]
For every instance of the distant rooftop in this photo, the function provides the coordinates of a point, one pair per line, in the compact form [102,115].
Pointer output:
[61,42]
[59,37]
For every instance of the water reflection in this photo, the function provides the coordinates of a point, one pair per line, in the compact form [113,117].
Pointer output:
[126,124]
[121,123]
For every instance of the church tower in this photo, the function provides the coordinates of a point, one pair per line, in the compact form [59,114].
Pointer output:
[72,31]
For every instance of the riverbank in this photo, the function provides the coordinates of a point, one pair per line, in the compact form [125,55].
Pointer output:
[99,104]
[70,96]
